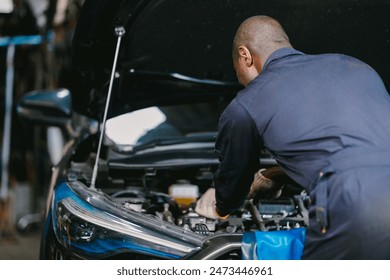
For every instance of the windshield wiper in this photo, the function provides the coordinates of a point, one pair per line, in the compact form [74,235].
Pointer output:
[191,138]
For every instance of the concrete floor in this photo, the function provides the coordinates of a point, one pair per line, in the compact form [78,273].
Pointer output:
[16,246]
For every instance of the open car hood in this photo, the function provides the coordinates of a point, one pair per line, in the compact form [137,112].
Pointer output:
[177,49]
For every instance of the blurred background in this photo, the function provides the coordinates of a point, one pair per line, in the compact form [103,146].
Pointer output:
[35,47]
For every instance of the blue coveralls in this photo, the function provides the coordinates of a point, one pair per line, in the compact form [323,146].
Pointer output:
[326,120]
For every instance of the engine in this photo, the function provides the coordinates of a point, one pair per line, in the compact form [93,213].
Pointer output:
[166,196]
[283,213]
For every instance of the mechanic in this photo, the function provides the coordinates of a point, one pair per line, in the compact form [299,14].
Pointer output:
[326,120]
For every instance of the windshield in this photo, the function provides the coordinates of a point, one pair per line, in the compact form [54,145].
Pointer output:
[181,122]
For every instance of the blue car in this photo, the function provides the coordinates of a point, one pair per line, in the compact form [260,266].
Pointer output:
[150,79]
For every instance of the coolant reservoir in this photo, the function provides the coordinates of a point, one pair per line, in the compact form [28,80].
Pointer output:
[183,192]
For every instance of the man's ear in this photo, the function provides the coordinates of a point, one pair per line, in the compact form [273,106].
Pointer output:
[245,56]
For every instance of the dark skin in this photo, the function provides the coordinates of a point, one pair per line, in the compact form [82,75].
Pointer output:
[256,39]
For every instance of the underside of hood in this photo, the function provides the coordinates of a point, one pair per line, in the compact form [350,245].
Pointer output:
[176,49]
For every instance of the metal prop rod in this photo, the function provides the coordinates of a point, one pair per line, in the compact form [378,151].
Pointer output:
[7,122]
[120,32]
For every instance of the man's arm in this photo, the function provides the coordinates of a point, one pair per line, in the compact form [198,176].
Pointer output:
[238,150]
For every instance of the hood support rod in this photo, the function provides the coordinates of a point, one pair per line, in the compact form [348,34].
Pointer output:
[119,32]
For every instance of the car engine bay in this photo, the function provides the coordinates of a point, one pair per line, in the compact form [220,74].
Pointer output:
[170,195]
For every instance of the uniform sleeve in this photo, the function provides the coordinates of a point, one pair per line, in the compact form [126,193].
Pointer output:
[237,147]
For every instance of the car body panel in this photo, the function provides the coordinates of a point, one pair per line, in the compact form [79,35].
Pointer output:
[165,40]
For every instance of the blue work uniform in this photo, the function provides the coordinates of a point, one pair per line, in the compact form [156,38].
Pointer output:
[326,120]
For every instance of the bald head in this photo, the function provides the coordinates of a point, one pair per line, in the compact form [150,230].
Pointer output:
[262,35]
[256,39]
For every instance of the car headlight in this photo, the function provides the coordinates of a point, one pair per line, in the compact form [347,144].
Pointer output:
[86,229]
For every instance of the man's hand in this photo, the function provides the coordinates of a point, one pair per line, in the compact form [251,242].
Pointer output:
[264,188]
[205,206]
